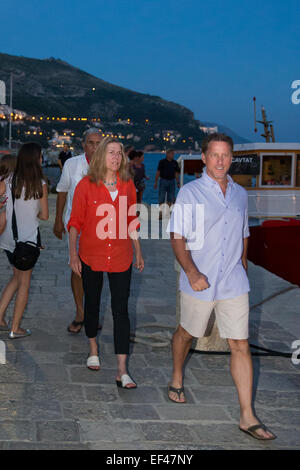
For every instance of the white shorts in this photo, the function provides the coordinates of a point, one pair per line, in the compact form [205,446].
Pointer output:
[232,316]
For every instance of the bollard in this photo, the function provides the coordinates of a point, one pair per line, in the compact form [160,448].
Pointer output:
[2,353]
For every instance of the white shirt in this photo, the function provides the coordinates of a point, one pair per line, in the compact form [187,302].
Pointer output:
[27,219]
[113,194]
[73,171]
[224,227]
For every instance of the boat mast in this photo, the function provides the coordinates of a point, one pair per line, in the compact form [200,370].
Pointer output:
[268,133]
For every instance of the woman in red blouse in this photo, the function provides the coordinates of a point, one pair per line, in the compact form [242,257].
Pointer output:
[104,215]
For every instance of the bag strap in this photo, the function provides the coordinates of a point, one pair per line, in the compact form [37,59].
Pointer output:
[14,219]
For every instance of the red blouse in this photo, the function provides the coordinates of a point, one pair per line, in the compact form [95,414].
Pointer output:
[104,225]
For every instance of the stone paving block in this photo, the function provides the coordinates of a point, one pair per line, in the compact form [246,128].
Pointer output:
[142,394]
[161,360]
[133,412]
[38,357]
[50,345]
[213,361]
[116,432]
[277,381]
[192,413]
[30,409]
[211,395]
[16,430]
[280,364]
[106,338]
[278,399]
[219,378]
[74,358]
[92,411]
[164,432]
[148,376]
[86,376]
[45,392]
[14,373]
[47,446]
[139,348]
[295,378]
[51,373]
[12,391]
[119,446]
[265,324]
[167,320]
[140,318]
[101,393]
[57,431]
[286,437]
[279,346]
[278,335]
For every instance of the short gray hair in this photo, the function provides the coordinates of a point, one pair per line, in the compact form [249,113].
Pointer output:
[91,130]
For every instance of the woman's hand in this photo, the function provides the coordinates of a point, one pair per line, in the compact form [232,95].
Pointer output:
[75,264]
[139,263]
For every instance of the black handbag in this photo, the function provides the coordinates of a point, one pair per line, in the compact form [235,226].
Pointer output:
[25,254]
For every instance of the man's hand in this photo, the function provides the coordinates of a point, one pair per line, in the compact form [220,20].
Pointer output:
[139,264]
[155,185]
[59,229]
[198,281]
[75,264]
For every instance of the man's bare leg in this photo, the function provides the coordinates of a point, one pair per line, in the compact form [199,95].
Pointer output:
[242,373]
[181,344]
[77,290]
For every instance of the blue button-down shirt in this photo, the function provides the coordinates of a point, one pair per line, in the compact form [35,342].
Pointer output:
[223,220]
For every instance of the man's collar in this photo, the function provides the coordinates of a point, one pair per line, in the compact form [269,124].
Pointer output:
[211,180]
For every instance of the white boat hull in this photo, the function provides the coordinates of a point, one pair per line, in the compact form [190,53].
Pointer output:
[274,203]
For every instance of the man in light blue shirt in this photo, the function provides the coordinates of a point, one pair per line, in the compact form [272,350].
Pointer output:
[209,235]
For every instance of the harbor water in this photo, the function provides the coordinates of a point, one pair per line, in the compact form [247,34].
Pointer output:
[151,161]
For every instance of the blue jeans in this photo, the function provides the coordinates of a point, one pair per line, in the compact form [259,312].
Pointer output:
[166,187]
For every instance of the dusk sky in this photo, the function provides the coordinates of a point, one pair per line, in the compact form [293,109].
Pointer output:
[212,56]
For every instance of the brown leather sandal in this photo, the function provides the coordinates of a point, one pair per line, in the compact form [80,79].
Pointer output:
[178,392]
[75,323]
[252,432]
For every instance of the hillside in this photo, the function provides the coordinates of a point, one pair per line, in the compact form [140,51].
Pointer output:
[53,87]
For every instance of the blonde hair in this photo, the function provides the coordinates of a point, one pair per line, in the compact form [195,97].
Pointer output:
[97,170]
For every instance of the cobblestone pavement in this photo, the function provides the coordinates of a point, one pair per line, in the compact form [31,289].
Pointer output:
[50,400]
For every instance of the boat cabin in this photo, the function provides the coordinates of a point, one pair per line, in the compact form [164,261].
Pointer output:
[270,172]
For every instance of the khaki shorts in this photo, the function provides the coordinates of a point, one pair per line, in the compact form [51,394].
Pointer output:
[232,316]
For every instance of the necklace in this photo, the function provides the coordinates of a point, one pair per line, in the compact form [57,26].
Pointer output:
[110,183]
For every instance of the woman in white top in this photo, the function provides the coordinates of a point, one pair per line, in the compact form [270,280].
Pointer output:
[31,204]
